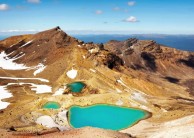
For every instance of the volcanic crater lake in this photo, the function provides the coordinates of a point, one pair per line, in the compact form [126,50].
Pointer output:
[51,105]
[76,87]
[105,116]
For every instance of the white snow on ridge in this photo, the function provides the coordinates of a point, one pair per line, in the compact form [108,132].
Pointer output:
[15,43]
[72,73]
[7,63]
[21,54]
[26,43]
[4,94]
[11,78]
[40,68]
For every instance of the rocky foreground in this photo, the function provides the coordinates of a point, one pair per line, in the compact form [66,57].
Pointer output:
[74,133]
[134,73]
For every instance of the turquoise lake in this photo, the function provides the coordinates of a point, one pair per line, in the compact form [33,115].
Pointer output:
[105,116]
[51,105]
[76,87]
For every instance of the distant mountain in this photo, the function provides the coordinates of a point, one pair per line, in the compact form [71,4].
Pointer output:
[143,74]
[182,42]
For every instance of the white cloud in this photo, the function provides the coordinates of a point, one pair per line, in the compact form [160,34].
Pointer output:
[4,7]
[99,12]
[33,1]
[131,19]
[131,3]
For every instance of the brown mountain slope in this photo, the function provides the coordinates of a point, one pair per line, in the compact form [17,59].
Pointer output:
[133,73]
[13,40]
[155,60]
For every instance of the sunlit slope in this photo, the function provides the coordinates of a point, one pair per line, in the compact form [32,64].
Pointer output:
[134,73]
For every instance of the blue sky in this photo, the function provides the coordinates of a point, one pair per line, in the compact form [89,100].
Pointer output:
[99,16]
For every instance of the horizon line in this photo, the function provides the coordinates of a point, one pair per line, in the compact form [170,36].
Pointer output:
[91,32]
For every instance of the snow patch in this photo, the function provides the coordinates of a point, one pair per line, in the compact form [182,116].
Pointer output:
[72,73]
[4,93]
[11,78]
[59,91]
[21,54]
[48,122]
[41,88]
[26,44]
[39,68]
[15,43]
[61,119]
[62,115]
[7,63]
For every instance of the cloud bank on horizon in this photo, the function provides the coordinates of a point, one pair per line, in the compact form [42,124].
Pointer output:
[134,16]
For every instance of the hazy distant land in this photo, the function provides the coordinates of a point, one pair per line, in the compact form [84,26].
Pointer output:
[182,42]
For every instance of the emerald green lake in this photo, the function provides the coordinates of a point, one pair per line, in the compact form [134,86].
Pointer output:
[105,116]
[76,86]
[51,105]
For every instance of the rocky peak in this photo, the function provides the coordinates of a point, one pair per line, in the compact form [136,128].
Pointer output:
[43,45]
[129,42]
[49,33]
